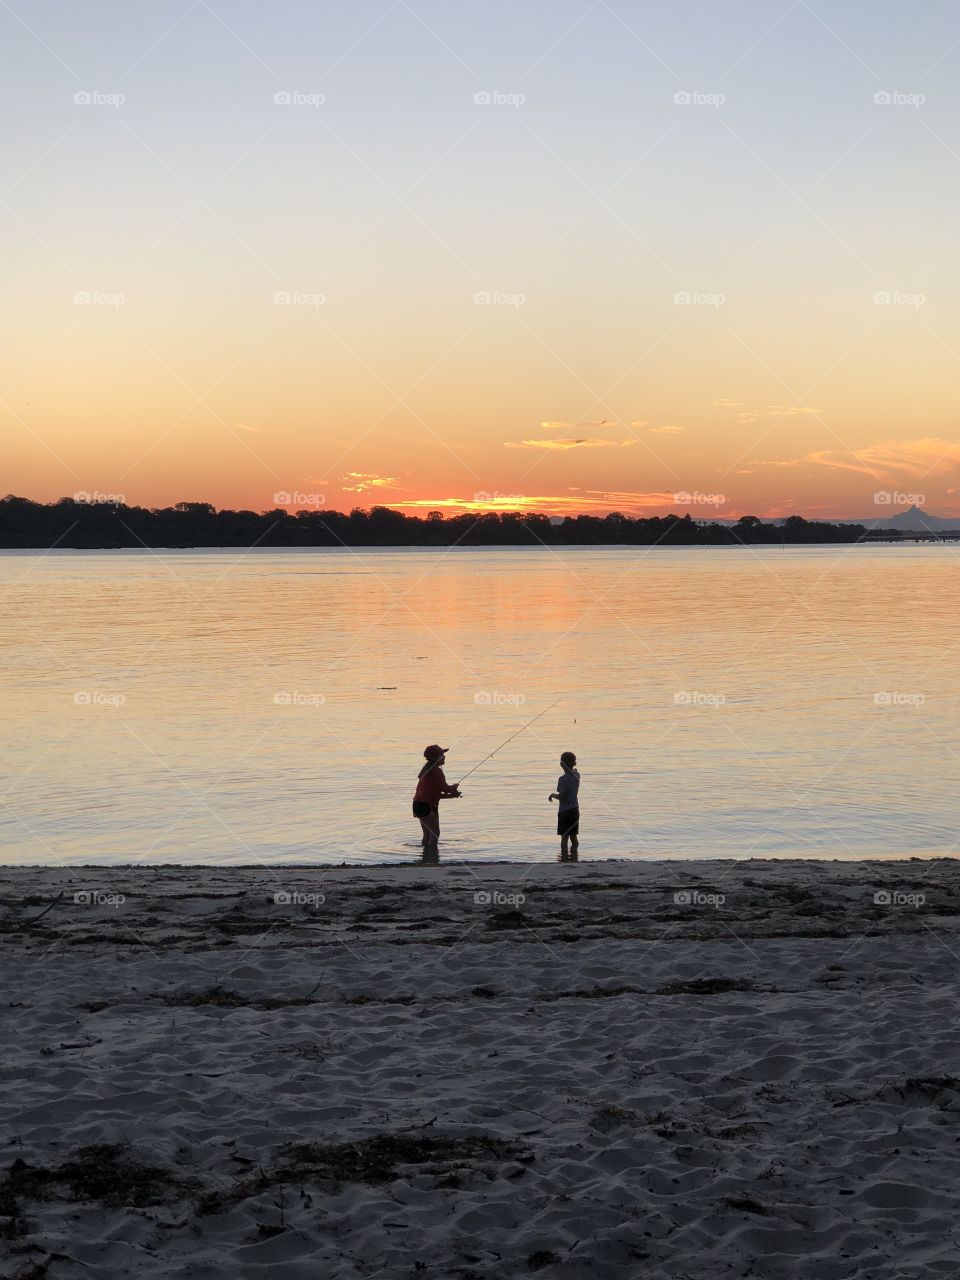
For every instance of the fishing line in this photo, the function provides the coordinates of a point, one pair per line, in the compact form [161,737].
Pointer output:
[506,740]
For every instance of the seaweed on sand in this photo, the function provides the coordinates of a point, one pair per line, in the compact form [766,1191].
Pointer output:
[377,1159]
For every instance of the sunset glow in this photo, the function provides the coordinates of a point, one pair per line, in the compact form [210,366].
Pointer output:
[381,259]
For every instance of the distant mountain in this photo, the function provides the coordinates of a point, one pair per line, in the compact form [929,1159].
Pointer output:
[914,520]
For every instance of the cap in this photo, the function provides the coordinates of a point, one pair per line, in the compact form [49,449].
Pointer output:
[433,751]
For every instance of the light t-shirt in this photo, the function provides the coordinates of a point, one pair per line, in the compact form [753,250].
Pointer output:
[568,787]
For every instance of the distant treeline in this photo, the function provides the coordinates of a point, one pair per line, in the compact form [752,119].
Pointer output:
[106,525]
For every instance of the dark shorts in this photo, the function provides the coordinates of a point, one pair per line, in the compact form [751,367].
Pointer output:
[568,822]
[421,808]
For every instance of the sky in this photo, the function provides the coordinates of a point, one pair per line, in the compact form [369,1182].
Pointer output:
[442,254]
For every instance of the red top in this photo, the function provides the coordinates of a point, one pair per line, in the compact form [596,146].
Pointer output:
[431,786]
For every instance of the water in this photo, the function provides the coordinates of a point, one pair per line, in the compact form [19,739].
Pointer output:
[225,706]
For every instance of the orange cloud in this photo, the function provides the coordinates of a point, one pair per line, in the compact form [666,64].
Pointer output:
[748,414]
[361,481]
[623,500]
[577,426]
[884,460]
[583,443]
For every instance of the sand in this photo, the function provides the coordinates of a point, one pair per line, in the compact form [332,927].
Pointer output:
[484,1071]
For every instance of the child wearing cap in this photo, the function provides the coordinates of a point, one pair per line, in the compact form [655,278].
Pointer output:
[568,815]
[432,787]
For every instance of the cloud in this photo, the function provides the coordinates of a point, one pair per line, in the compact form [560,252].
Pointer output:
[755,414]
[626,501]
[362,481]
[883,460]
[245,426]
[585,442]
[665,430]
[577,426]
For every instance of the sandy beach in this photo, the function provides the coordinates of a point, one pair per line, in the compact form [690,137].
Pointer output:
[687,1070]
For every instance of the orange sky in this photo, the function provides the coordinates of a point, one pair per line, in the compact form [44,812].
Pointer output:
[603,296]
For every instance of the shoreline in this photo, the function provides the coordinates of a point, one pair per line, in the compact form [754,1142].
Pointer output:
[413,862]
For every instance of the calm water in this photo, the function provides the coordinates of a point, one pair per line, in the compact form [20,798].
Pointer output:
[272,706]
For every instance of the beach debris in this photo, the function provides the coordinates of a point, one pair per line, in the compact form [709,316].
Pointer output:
[49,1050]
[378,1159]
[747,1205]
[106,1173]
[541,1258]
[707,987]
[222,998]
[511,919]
[25,924]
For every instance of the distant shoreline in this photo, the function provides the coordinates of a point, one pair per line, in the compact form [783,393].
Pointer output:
[892,539]
[109,524]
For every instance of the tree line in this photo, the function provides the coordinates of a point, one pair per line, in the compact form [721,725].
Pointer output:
[110,525]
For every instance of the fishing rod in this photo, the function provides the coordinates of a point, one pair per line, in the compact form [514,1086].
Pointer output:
[506,740]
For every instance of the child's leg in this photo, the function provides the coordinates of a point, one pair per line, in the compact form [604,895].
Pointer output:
[431,832]
[429,842]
